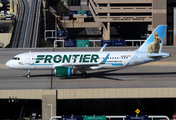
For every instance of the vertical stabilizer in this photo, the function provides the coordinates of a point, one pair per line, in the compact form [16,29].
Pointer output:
[154,42]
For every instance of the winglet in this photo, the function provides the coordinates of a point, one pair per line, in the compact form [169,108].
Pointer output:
[104,61]
[103,48]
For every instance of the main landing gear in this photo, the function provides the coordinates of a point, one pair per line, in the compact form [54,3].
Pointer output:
[84,74]
[28,75]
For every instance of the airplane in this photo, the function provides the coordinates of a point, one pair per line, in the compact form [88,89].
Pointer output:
[66,64]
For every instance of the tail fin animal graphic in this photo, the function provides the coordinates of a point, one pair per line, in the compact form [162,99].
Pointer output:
[154,42]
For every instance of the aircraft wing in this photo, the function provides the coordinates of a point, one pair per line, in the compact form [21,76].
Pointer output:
[80,65]
[86,64]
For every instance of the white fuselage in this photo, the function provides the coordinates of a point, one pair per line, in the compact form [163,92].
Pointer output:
[81,60]
[49,60]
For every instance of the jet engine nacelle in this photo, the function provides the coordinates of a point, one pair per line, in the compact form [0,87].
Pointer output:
[64,71]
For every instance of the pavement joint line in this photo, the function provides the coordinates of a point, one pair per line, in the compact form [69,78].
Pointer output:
[167,63]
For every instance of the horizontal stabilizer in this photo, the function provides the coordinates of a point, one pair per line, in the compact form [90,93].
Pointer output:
[161,55]
[155,57]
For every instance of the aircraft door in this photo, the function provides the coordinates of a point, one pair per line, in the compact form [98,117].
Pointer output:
[27,58]
[32,58]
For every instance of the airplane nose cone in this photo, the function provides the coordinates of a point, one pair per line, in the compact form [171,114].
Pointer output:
[8,63]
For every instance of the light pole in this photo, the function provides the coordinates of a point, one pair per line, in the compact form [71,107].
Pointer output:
[51,109]
[56,26]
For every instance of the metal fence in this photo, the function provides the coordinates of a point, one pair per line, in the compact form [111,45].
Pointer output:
[123,117]
[97,43]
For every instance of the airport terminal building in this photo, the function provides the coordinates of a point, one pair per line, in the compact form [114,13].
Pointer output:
[122,19]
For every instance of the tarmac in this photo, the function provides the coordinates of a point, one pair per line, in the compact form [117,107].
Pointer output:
[151,75]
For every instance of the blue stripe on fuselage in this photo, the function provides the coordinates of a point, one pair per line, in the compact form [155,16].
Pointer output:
[40,64]
[113,64]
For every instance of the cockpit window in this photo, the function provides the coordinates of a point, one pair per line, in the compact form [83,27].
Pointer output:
[15,58]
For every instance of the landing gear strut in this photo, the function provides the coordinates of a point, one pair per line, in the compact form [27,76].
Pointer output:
[84,74]
[28,75]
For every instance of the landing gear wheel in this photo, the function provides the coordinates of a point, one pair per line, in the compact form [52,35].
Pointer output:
[84,74]
[28,76]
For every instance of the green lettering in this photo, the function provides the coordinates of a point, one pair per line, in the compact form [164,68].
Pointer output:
[48,58]
[66,58]
[81,58]
[39,57]
[94,58]
[86,58]
[75,57]
[57,58]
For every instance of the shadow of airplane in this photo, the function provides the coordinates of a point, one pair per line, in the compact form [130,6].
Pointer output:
[106,75]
